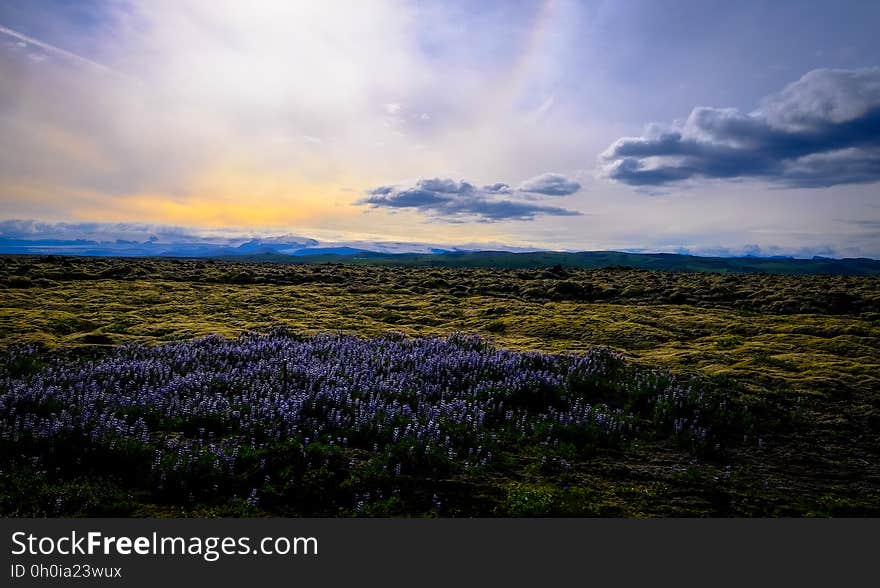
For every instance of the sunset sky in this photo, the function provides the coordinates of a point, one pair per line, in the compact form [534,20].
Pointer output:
[702,126]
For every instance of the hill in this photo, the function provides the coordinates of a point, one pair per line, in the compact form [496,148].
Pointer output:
[586,260]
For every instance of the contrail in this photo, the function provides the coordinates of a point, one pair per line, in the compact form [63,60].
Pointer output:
[58,51]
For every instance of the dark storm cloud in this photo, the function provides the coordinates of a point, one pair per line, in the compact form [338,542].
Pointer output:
[822,130]
[458,200]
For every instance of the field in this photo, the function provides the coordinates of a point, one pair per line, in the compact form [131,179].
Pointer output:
[729,394]
[581,260]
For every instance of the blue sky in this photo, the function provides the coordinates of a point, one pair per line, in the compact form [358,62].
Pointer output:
[711,127]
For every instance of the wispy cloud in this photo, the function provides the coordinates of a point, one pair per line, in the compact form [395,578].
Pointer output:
[58,51]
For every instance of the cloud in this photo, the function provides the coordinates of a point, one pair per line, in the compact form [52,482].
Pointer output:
[869,225]
[25,40]
[550,184]
[460,200]
[823,130]
[498,188]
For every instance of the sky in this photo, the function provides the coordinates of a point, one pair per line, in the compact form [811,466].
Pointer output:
[703,126]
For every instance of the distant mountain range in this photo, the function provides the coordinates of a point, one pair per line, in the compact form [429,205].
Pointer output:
[203,247]
[151,248]
[146,240]
[291,249]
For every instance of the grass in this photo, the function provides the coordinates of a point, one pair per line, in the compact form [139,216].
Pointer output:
[802,352]
[588,260]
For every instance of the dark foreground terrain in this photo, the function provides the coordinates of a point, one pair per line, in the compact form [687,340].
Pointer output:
[187,387]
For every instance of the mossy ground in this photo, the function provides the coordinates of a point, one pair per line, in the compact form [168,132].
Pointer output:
[811,379]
